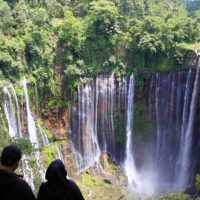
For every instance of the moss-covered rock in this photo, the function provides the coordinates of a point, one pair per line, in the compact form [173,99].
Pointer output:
[99,187]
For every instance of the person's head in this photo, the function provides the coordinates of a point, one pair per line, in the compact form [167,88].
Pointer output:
[10,157]
[56,172]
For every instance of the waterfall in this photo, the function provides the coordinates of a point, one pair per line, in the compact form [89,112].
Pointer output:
[28,172]
[163,160]
[157,119]
[172,107]
[59,152]
[14,120]
[184,179]
[15,129]
[130,168]
[78,159]
[98,120]
[31,123]
[90,148]
[105,98]
[100,114]
[18,112]
[32,130]
[45,140]
[10,114]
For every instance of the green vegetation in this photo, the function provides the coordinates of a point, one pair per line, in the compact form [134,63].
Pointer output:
[24,144]
[57,42]
[174,196]
[197,183]
[50,152]
[4,136]
[48,133]
[98,187]
[189,46]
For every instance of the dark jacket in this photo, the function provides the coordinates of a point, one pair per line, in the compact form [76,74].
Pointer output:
[58,187]
[12,187]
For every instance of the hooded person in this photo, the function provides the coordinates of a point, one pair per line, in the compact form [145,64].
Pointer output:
[58,187]
[11,185]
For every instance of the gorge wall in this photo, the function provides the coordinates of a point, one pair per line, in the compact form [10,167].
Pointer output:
[165,153]
[152,133]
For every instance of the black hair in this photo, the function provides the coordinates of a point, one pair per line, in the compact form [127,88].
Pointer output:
[10,155]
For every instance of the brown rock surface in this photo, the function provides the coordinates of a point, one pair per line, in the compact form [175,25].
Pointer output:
[57,121]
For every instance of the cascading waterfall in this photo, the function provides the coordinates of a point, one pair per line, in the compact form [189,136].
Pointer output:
[79,160]
[186,141]
[59,152]
[165,160]
[10,114]
[28,172]
[105,98]
[18,112]
[15,129]
[32,134]
[32,130]
[96,115]
[31,123]
[129,165]
[45,142]
[90,149]
[45,139]
[167,156]
[174,96]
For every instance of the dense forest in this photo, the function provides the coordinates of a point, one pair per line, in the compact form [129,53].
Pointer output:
[57,44]
[84,38]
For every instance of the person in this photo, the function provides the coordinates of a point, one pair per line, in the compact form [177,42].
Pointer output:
[11,185]
[57,186]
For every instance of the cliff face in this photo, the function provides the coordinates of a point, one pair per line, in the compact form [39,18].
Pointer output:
[98,119]
[173,106]
[191,58]
[57,121]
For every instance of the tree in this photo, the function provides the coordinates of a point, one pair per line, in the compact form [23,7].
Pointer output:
[10,57]
[25,145]
[39,48]
[6,18]
[103,17]
[72,32]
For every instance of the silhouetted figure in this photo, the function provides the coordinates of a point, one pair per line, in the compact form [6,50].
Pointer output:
[11,185]
[58,187]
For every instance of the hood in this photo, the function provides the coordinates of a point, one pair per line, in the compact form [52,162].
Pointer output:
[56,173]
[7,179]
[57,182]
